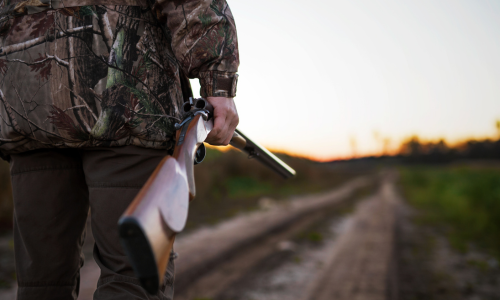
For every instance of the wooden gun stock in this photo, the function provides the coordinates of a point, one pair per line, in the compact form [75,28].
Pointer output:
[148,227]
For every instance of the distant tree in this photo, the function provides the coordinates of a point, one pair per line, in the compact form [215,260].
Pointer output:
[441,147]
[414,150]
[411,147]
[498,128]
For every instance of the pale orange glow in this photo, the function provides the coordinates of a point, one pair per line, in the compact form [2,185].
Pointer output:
[392,151]
[322,86]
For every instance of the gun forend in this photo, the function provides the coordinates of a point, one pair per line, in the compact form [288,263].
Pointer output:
[261,154]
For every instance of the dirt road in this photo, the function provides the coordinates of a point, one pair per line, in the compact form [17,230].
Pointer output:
[353,260]
[307,248]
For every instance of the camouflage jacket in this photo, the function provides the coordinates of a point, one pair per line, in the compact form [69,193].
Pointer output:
[87,73]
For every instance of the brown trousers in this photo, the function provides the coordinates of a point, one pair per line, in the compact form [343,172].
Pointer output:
[53,190]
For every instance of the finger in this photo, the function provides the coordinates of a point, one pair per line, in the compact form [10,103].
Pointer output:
[232,121]
[232,126]
[219,121]
[235,122]
[228,140]
[224,134]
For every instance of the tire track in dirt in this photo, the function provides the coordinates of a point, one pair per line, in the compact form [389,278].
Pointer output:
[213,259]
[361,265]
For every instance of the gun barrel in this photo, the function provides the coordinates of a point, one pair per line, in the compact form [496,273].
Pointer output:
[254,150]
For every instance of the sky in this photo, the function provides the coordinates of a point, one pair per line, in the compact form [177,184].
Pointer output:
[332,79]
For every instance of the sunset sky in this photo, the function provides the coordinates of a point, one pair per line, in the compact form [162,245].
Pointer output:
[326,78]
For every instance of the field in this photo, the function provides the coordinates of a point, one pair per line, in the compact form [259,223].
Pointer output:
[462,202]
[445,240]
[228,183]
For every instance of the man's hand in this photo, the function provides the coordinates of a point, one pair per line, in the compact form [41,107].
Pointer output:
[225,120]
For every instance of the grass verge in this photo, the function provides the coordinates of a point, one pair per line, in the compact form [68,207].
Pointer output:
[229,183]
[463,201]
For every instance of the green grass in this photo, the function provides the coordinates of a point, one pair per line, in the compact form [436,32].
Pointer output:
[247,187]
[464,202]
[315,237]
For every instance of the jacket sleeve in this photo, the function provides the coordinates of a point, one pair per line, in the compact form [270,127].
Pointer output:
[203,39]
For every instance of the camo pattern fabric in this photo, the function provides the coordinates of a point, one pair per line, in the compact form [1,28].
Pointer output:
[103,73]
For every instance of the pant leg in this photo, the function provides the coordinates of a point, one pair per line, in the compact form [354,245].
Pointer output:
[114,177]
[50,210]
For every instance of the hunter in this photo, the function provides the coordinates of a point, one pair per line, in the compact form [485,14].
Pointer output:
[89,96]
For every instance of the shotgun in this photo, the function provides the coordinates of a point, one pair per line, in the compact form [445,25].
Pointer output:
[148,227]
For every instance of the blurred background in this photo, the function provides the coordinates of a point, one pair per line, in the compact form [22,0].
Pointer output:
[403,94]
